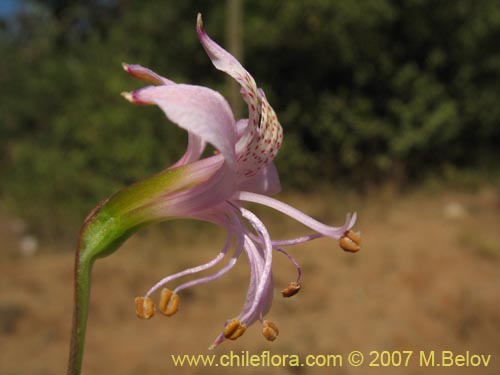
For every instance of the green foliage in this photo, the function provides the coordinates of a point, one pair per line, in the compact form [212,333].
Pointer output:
[376,90]
[366,91]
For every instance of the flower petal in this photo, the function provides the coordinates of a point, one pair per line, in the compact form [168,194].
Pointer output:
[226,62]
[195,148]
[199,110]
[266,181]
[193,202]
[258,147]
[145,74]
[261,255]
[262,138]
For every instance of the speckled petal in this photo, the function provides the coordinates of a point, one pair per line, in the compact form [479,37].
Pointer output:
[262,137]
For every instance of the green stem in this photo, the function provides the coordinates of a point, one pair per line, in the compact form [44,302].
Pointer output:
[83,269]
[102,233]
[105,229]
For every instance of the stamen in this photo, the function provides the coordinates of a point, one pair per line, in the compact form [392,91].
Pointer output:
[234,329]
[294,286]
[237,252]
[292,289]
[335,232]
[270,330]
[350,241]
[169,302]
[355,236]
[144,307]
[297,240]
[200,268]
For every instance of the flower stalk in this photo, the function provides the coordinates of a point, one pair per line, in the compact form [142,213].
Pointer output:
[103,231]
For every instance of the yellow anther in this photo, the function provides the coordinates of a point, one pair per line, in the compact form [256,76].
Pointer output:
[144,307]
[291,290]
[169,302]
[350,241]
[270,330]
[234,329]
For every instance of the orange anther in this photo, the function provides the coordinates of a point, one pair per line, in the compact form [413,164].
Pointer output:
[355,236]
[350,241]
[144,307]
[270,330]
[291,290]
[169,302]
[234,329]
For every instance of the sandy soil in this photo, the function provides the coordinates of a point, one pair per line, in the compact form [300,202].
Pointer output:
[427,278]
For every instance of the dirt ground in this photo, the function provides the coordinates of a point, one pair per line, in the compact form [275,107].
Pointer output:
[427,279]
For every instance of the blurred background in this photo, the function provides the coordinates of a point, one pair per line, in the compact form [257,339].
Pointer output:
[389,107]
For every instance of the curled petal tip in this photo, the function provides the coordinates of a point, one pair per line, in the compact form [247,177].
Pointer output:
[215,344]
[199,25]
[217,341]
[350,220]
[128,96]
[133,97]
[354,217]
[145,74]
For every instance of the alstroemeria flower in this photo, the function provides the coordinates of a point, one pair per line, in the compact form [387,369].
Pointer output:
[212,189]
[243,171]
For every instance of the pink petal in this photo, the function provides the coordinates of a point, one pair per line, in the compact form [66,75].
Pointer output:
[258,147]
[266,181]
[195,148]
[191,203]
[145,74]
[226,62]
[262,138]
[241,125]
[199,110]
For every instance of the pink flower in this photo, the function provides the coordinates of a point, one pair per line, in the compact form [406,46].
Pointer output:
[212,189]
[215,188]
